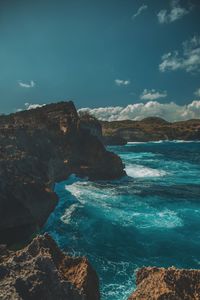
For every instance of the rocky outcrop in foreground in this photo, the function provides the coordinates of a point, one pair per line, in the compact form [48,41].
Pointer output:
[167,284]
[38,148]
[42,271]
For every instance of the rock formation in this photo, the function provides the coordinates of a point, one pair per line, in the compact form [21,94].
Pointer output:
[152,129]
[90,123]
[167,284]
[113,140]
[38,148]
[42,271]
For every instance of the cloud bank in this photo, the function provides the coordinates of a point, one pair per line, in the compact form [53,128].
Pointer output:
[27,85]
[168,111]
[152,94]
[189,61]
[176,12]
[139,11]
[121,82]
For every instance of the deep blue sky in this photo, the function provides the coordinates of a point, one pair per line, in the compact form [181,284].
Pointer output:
[76,49]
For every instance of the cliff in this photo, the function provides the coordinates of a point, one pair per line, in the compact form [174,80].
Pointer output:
[167,284]
[38,148]
[152,129]
[42,271]
[91,124]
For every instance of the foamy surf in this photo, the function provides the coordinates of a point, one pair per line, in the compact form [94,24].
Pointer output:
[163,141]
[66,217]
[138,171]
[166,219]
[125,224]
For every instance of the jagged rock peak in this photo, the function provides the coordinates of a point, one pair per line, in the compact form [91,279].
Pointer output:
[42,271]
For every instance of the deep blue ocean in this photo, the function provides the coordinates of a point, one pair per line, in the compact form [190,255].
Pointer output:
[149,218]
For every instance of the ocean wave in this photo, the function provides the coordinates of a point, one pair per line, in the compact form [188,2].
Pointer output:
[163,219]
[184,141]
[163,141]
[127,223]
[137,171]
[132,143]
[67,215]
[137,155]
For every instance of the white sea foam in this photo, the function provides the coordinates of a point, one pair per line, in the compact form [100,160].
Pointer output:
[66,217]
[137,171]
[163,141]
[183,141]
[156,142]
[164,219]
[132,143]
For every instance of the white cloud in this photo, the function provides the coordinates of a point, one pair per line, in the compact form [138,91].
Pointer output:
[139,11]
[27,85]
[121,82]
[197,93]
[152,95]
[29,106]
[189,61]
[168,111]
[176,12]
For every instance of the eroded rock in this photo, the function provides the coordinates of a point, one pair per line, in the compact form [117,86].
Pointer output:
[167,284]
[41,271]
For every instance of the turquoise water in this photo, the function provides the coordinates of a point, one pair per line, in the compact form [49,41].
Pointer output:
[149,218]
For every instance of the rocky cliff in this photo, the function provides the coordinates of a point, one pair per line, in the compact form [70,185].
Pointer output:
[42,271]
[152,129]
[38,148]
[94,126]
[167,284]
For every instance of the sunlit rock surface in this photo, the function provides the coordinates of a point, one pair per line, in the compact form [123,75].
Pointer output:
[42,271]
[167,284]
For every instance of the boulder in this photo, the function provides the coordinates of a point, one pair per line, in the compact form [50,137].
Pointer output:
[42,271]
[167,284]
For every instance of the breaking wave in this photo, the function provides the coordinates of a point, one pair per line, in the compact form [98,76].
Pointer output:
[137,171]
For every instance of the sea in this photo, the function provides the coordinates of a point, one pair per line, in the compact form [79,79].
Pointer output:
[151,217]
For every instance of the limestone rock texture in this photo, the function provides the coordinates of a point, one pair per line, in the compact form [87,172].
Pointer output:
[167,284]
[41,271]
[39,147]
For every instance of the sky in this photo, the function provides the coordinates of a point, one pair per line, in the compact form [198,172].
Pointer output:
[104,53]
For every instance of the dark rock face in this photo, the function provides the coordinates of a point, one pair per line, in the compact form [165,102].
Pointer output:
[114,140]
[42,271]
[167,284]
[38,148]
[91,124]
